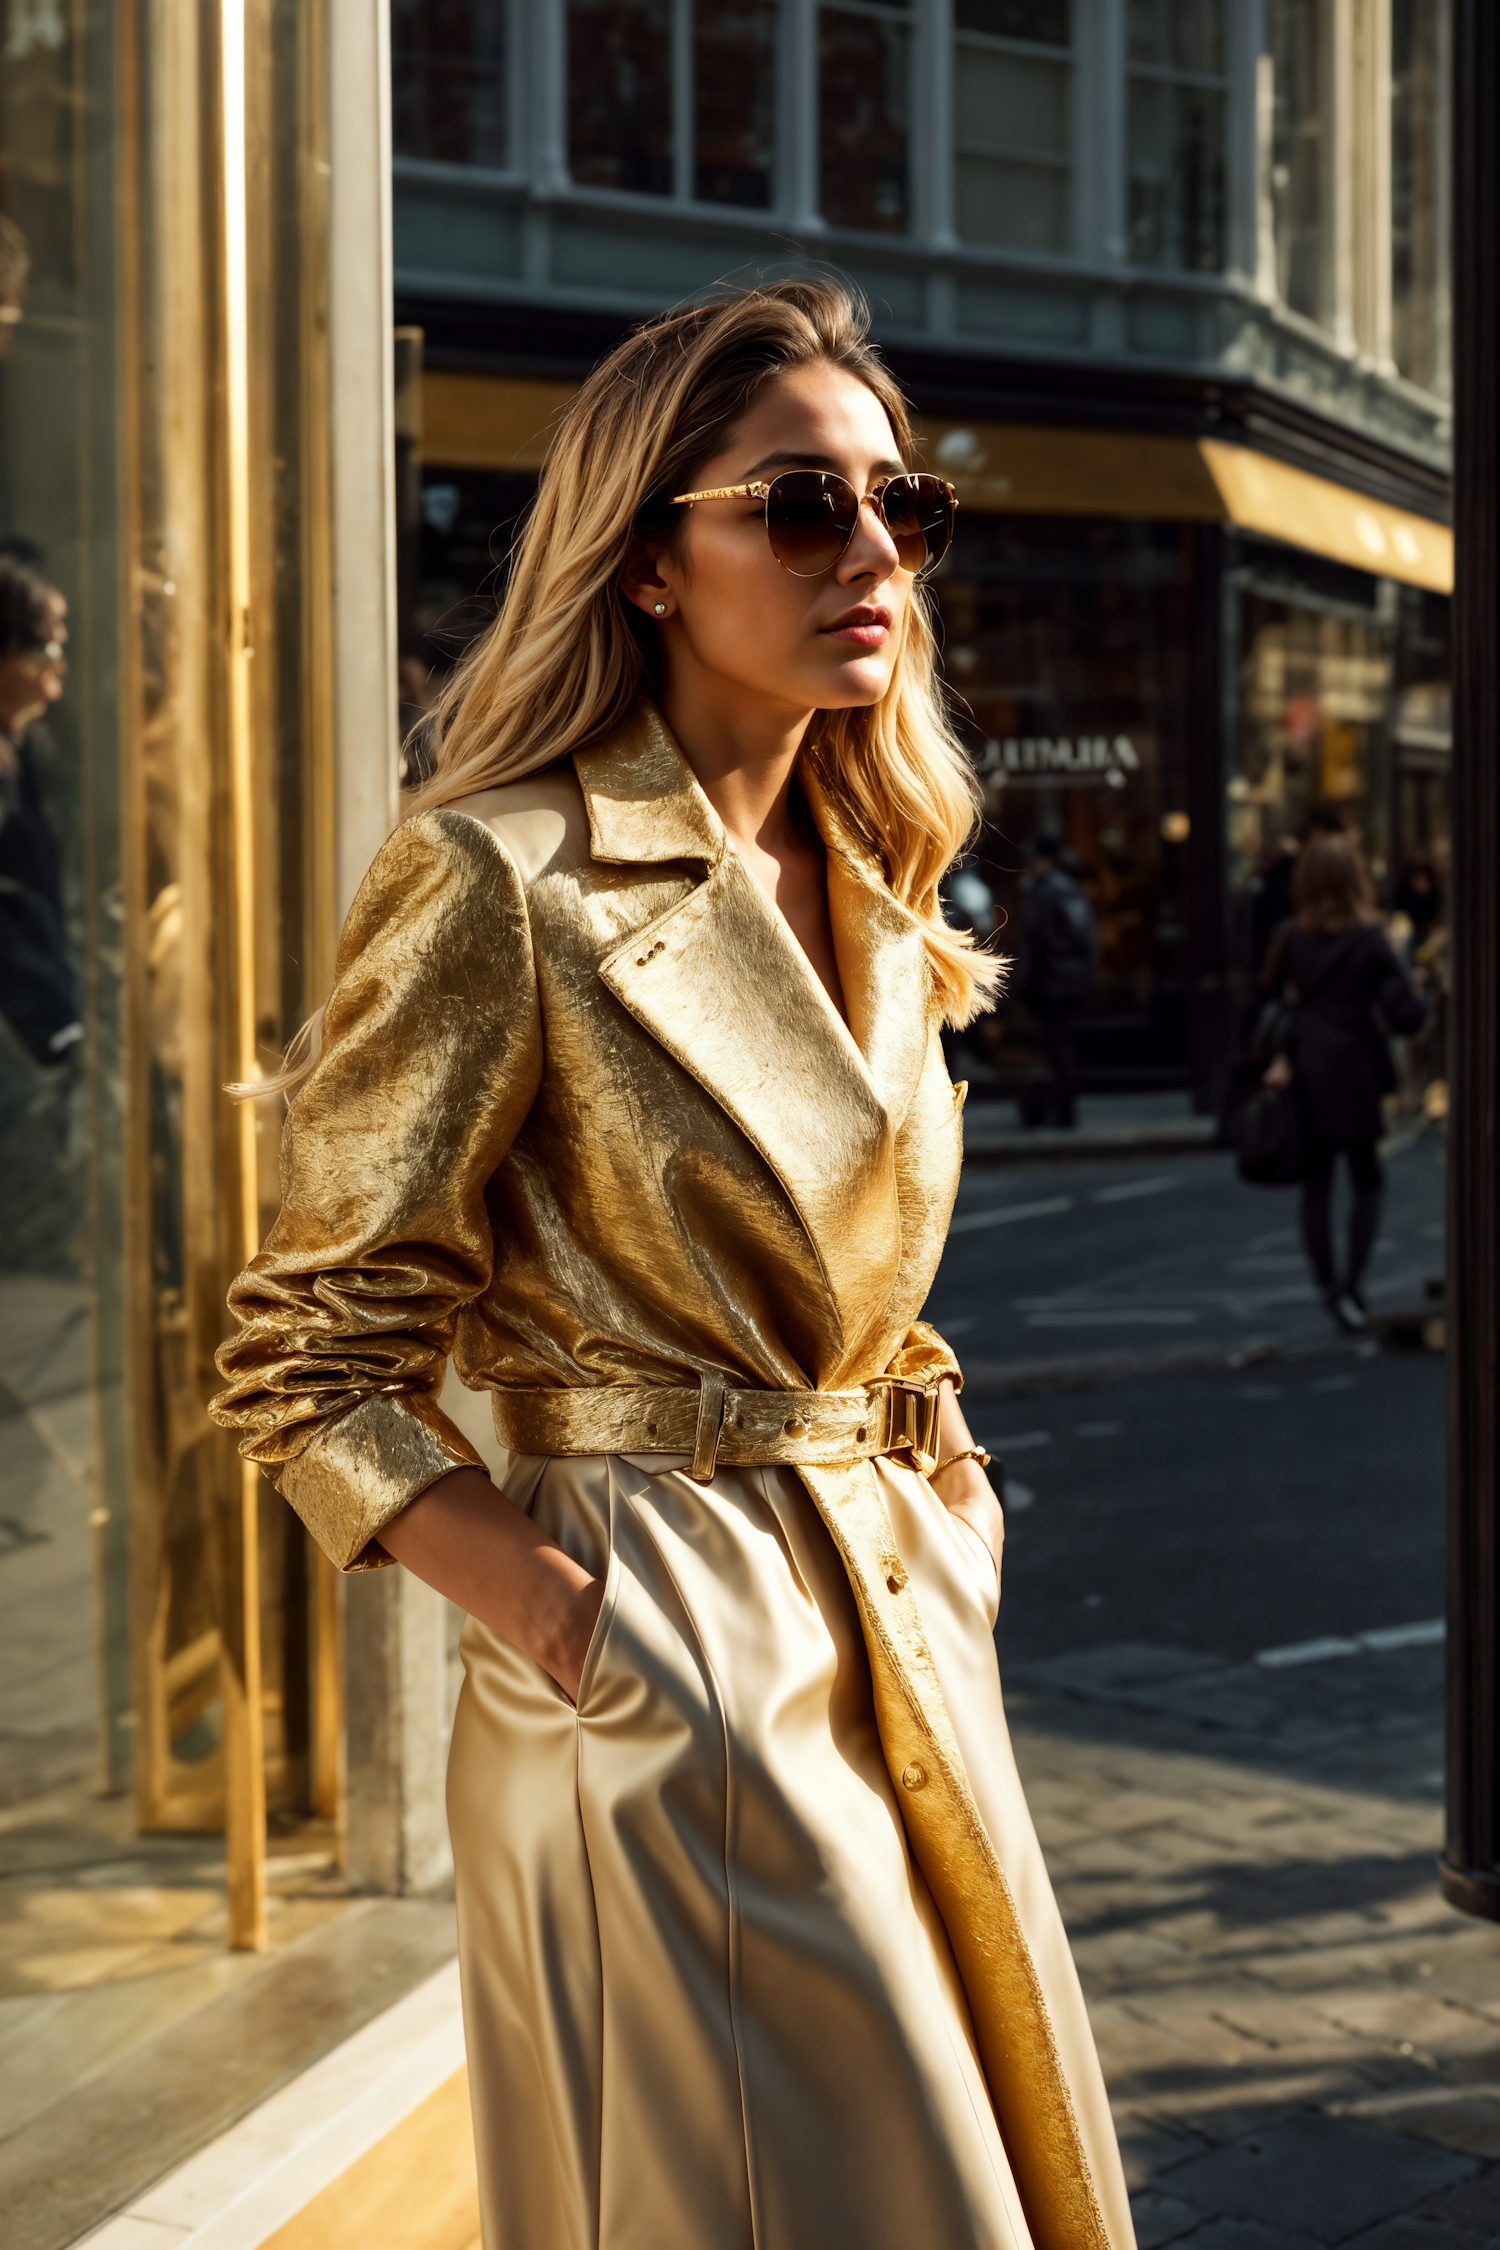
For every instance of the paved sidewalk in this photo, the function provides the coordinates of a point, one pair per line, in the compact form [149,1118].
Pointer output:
[1302,2042]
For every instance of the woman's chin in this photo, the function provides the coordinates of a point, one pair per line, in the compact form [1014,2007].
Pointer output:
[856,683]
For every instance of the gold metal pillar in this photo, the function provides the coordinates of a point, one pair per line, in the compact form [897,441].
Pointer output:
[228,895]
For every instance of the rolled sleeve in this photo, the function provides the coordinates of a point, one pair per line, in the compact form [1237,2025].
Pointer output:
[431,1058]
[924,1357]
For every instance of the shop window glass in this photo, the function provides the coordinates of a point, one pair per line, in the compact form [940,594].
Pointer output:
[1315,691]
[1299,66]
[1422,751]
[1011,123]
[448,80]
[1421,341]
[734,102]
[1067,642]
[63,1660]
[864,80]
[1175,133]
[620,94]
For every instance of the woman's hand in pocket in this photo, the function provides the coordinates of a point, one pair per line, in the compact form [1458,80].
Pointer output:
[465,1538]
[576,1630]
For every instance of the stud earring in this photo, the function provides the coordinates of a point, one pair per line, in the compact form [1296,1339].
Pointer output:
[661,609]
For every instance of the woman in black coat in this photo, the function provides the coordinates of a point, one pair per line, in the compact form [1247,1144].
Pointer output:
[1347,993]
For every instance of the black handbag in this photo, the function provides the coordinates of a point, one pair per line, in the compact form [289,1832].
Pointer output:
[1270,1152]
[1268,1125]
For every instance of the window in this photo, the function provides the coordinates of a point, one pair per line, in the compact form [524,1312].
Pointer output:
[1299,67]
[1011,100]
[864,75]
[1175,134]
[448,84]
[1419,192]
[620,94]
[734,101]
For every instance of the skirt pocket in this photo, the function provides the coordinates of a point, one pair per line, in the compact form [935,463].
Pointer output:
[594,1654]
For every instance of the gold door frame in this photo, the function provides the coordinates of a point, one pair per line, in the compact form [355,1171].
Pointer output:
[227,727]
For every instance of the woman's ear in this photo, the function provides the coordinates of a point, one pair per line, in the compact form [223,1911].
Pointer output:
[641,581]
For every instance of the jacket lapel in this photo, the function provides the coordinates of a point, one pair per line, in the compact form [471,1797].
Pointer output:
[882,959]
[719,981]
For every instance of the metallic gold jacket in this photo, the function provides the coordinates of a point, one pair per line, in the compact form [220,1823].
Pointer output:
[586,1118]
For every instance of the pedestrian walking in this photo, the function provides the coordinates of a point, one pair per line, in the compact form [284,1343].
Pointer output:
[1062,956]
[38,985]
[630,1097]
[1345,993]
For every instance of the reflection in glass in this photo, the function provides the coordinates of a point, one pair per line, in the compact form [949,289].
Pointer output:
[1420,337]
[61,1496]
[1067,642]
[448,90]
[620,94]
[1298,62]
[1011,130]
[1175,132]
[1044,21]
[1178,34]
[1314,696]
[863,83]
[734,100]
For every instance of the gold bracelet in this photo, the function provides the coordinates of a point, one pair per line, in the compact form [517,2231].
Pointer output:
[969,1453]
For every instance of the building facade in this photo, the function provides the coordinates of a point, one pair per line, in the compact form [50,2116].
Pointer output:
[1166,281]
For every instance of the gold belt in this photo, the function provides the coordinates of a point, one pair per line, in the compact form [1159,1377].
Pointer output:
[740,1429]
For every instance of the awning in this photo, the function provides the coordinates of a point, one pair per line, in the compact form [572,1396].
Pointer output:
[505,422]
[1006,468]
[489,421]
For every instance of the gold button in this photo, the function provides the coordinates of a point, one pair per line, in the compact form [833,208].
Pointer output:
[915,1777]
[861,1434]
[895,1581]
[794,1425]
[641,960]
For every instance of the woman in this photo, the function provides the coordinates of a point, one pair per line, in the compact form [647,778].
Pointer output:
[631,1098]
[1346,992]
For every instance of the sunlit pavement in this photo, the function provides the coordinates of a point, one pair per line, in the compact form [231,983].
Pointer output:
[1221,1641]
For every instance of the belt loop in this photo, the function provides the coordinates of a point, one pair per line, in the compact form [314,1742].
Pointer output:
[710,1422]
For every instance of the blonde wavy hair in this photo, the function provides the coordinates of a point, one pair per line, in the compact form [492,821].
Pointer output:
[568,656]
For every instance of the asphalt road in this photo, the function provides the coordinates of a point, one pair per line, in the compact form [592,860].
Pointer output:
[1067,1258]
[1227,1511]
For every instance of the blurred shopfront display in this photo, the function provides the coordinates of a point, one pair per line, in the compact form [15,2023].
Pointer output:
[167,456]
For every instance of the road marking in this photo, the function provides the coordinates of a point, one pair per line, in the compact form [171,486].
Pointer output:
[1097,1429]
[957,1327]
[1018,1498]
[972,1221]
[1427,1633]
[1022,1442]
[1128,1190]
[1123,1317]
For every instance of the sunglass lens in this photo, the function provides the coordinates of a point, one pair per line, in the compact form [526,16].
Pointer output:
[810,518]
[919,517]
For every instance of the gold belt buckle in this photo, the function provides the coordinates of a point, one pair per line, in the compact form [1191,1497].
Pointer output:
[915,1432]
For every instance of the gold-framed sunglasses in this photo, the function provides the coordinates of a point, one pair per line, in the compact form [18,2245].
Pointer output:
[812,516]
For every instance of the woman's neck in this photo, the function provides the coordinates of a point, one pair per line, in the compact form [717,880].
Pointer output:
[743,758]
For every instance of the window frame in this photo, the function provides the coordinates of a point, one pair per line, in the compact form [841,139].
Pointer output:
[1066,59]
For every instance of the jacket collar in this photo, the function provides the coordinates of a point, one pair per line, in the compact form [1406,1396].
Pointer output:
[719,981]
[644,803]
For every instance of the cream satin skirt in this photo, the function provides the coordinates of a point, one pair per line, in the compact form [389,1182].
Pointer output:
[708,2002]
